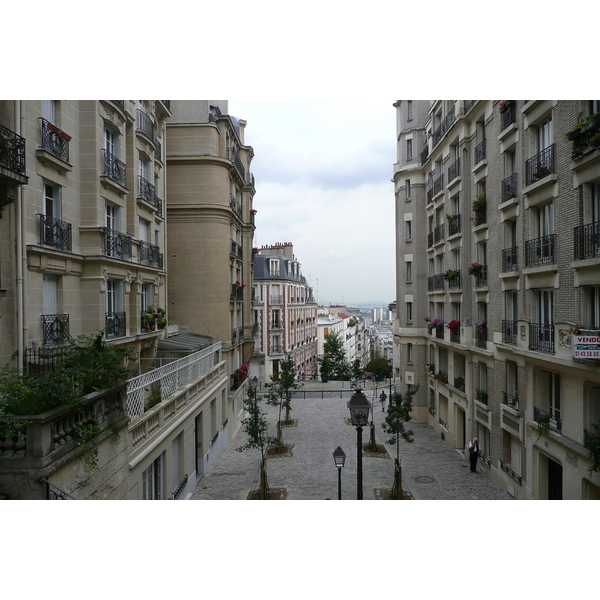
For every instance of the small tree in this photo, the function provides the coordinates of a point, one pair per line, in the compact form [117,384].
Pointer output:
[398,414]
[280,393]
[256,427]
[334,357]
[378,366]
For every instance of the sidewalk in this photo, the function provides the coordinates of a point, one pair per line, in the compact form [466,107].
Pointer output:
[431,469]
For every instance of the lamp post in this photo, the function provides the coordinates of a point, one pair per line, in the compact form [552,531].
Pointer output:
[339,457]
[359,415]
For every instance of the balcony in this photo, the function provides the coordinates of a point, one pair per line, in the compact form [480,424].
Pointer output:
[113,168]
[55,233]
[55,329]
[235,205]
[455,339]
[539,251]
[12,155]
[438,234]
[117,244]
[444,126]
[144,124]
[439,330]
[454,225]
[236,250]
[479,152]
[509,187]
[539,166]
[430,194]
[435,282]
[481,335]
[481,395]
[276,299]
[237,292]
[150,255]
[509,332]
[115,324]
[453,279]
[234,157]
[454,170]
[511,400]
[586,240]
[146,191]
[550,420]
[158,206]
[582,138]
[541,337]
[508,114]
[480,216]
[481,279]
[438,184]
[55,141]
[424,155]
[509,259]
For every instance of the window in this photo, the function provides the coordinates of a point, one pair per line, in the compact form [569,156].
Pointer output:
[407,188]
[409,311]
[152,480]
[483,434]
[548,393]
[408,231]
[276,318]
[409,110]
[274,267]
[143,230]
[409,353]
[113,217]
[483,376]
[111,142]
[49,110]
[408,270]
[590,306]
[409,149]
[52,200]
[113,296]
[50,294]
[544,136]
[146,296]
[511,378]
[592,412]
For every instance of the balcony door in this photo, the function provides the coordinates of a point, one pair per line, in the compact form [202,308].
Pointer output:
[545,137]
[50,294]
[52,204]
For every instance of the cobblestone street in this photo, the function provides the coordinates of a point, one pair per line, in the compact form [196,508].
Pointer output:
[431,469]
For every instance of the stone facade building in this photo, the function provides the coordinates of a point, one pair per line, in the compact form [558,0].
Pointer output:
[498,271]
[285,314]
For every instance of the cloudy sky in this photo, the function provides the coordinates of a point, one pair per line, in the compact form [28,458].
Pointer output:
[323,171]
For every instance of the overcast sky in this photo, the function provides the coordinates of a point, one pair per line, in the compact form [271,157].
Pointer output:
[323,172]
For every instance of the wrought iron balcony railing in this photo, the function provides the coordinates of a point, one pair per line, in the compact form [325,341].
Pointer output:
[581,139]
[509,332]
[12,150]
[56,328]
[509,187]
[481,395]
[435,282]
[144,124]
[424,155]
[158,206]
[116,324]
[481,335]
[237,292]
[480,216]
[455,339]
[438,184]
[509,259]
[150,255]
[480,152]
[541,337]
[552,419]
[454,225]
[438,234]
[117,244]
[511,400]
[55,233]
[439,331]
[454,170]
[481,278]
[540,165]
[455,282]
[55,141]
[587,241]
[539,251]
[146,190]
[113,168]
[508,116]
[234,157]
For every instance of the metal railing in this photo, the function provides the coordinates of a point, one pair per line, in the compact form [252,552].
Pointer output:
[508,470]
[511,400]
[234,157]
[53,492]
[150,255]
[480,216]
[539,251]
[481,335]
[455,282]
[539,166]
[55,141]
[508,116]
[438,234]
[146,190]
[55,328]
[509,187]
[113,168]
[509,259]
[541,337]
[439,331]
[454,225]
[12,150]
[117,244]
[552,419]
[586,239]
[454,170]
[144,124]
[438,184]
[509,332]
[481,396]
[481,278]
[480,152]
[116,324]
[56,233]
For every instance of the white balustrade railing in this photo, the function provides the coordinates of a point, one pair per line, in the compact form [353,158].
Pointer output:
[171,377]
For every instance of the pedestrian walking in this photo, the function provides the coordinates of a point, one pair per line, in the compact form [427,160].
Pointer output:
[474,454]
[382,399]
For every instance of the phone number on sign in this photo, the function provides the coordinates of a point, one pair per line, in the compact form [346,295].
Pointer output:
[587,354]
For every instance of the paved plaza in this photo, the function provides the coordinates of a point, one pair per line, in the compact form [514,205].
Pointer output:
[431,470]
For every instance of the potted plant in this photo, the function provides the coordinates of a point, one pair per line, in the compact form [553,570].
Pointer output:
[459,383]
[504,104]
[433,323]
[541,172]
[479,203]
[481,326]
[451,218]
[453,325]
[475,269]
[451,275]
[595,140]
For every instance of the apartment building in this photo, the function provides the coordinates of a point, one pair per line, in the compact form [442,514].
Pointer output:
[498,274]
[285,314]
[83,234]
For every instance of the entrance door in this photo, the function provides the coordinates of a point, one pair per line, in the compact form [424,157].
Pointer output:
[554,480]
[460,441]
[198,439]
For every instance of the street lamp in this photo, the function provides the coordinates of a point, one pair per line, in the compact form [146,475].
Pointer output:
[359,415]
[339,457]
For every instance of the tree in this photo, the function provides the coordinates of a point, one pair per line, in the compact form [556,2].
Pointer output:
[256,427]
[378,365]
[280,393]
[334,357]
[398,414]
